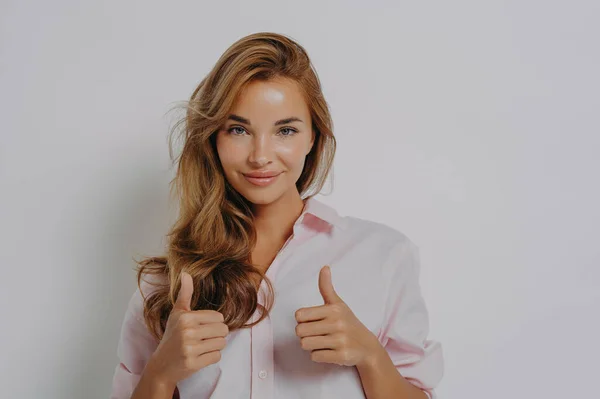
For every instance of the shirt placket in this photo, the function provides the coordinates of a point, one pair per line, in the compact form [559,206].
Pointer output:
[261,336]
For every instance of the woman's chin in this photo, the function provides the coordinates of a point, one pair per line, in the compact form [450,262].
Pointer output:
[260,198]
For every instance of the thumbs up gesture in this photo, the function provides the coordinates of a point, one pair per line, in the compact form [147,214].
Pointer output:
[332,332]
[193,339]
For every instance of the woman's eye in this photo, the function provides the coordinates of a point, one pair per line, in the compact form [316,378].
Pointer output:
[287,129]
[234,131]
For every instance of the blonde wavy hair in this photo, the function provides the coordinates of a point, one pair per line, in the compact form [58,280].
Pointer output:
[214,233]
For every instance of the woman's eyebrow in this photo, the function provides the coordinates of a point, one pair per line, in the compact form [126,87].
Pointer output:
[241,119]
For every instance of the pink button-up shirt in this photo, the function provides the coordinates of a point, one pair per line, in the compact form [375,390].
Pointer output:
[375,270]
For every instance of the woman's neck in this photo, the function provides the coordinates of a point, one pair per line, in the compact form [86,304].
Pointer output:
[274,222]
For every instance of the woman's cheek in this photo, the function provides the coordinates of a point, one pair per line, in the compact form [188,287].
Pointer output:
[232,153]
[294,159]
[292,152]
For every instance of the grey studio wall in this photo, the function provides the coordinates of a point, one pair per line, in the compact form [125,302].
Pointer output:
[470,126]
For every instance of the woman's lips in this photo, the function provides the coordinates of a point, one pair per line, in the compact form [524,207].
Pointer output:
[261,181]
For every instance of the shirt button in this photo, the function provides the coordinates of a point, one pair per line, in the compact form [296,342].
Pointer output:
[262,374]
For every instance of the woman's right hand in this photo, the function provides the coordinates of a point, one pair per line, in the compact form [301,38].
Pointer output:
[193,339]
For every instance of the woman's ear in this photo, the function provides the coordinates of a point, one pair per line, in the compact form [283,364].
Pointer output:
[312,141]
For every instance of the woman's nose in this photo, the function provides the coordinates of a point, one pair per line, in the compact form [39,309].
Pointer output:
[261,151]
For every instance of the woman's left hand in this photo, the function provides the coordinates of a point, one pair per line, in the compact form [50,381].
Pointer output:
[332,332]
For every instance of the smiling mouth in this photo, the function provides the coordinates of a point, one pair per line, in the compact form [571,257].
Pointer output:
[261,181]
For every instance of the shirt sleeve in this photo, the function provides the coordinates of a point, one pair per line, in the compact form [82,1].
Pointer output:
[406,321]
[136,345]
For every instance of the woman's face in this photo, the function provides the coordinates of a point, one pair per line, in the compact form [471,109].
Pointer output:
[269,130]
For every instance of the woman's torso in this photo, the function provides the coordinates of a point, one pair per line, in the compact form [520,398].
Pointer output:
[267,361]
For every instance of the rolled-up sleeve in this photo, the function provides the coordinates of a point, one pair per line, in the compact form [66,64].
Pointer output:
[405,324]
[136,345]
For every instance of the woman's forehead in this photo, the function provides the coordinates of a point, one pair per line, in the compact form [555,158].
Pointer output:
[269,101]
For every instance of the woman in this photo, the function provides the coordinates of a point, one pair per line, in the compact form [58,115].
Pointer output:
[266,292]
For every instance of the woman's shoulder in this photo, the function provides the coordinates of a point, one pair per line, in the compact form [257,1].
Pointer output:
[151,282]
[378,236]
[148,284]
[379,231]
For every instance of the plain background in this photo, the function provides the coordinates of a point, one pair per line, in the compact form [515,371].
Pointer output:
[471,126]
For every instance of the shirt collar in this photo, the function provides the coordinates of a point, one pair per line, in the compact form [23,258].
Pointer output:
[322,211]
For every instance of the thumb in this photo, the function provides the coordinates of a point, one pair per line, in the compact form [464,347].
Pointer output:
[184,298]
[326,286]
